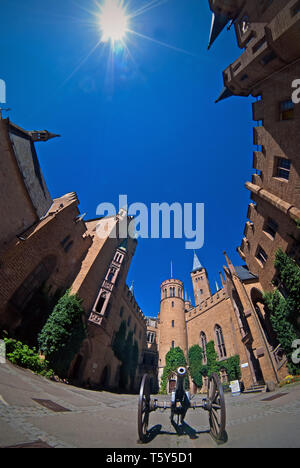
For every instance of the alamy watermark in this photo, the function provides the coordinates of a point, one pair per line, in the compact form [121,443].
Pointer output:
[2,92]
[296,353]
[156,222]
[2,352]
[296,92]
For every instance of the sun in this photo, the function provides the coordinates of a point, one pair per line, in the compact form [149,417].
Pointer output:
[113,20]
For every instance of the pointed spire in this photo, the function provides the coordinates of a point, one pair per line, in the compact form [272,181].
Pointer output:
[226,93]
[131,287]
[196,264]
[185,296]
[217,25]
[222,279]
[229,263]
[43,135]
[217,286]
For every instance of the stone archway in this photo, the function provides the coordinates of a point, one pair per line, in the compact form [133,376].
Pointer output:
[30,305]
[105,378]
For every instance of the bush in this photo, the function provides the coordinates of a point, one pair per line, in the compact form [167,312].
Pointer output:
[23,356]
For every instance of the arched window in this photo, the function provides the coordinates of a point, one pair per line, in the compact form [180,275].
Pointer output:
[179,292]
[100,303]
[173,344]
[111,275]
[172,304]
[203,342]
[165,293]
[220,341]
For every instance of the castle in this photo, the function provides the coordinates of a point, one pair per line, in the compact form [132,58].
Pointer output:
[233,318]
[47,247]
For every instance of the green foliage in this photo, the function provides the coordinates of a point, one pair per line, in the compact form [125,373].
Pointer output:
[196,367]
[232,367]
[175,358]
[63,333]
[119,341]
[212,358]
[23,356]
[198,370]
[128,353]
[284,311]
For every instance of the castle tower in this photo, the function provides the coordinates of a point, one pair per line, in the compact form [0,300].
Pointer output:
[172,327]
[200,281]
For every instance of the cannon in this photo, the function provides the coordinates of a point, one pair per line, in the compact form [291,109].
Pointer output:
[180,403]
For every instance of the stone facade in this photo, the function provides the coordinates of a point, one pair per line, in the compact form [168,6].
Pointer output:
[233,318]
[46,247]
[269,33]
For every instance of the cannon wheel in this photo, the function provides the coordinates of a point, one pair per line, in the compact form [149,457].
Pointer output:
[216,405]
[144,409]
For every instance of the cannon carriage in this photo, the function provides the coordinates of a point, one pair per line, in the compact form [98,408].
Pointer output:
[180,403]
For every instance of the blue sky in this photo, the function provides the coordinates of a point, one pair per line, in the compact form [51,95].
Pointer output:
[148,129]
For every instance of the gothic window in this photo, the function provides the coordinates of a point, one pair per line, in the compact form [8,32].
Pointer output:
[172,304]
[165,293]
[203,342]
[173,344]
[173,323]
[220,342]
[111,274]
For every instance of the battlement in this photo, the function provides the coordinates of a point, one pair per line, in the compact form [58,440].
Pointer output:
[204,306]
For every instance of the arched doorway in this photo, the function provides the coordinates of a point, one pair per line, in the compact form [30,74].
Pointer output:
[31,304]
[264,318]
[105,376]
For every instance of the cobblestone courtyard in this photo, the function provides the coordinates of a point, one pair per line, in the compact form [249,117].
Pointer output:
[101,419]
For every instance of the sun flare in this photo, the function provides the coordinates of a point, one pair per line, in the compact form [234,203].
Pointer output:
[114,21]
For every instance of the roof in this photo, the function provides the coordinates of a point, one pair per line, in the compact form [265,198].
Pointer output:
[196,265]
[244,274]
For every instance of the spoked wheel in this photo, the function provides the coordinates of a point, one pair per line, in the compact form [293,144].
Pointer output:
[144,409]
[216,406]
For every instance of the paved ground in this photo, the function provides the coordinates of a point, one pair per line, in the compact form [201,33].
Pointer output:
[101,419]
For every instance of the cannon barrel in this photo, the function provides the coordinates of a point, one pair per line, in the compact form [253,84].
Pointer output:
[181,374]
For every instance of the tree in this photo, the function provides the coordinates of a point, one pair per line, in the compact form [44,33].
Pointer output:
[63,333]
[284,309]
[196,366]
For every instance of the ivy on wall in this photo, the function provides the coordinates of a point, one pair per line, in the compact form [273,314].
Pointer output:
[198,370]
[127,351]
[175,358]
[285,309]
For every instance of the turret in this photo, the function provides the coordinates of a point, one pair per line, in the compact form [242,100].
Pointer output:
[172,327]
[200,282]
